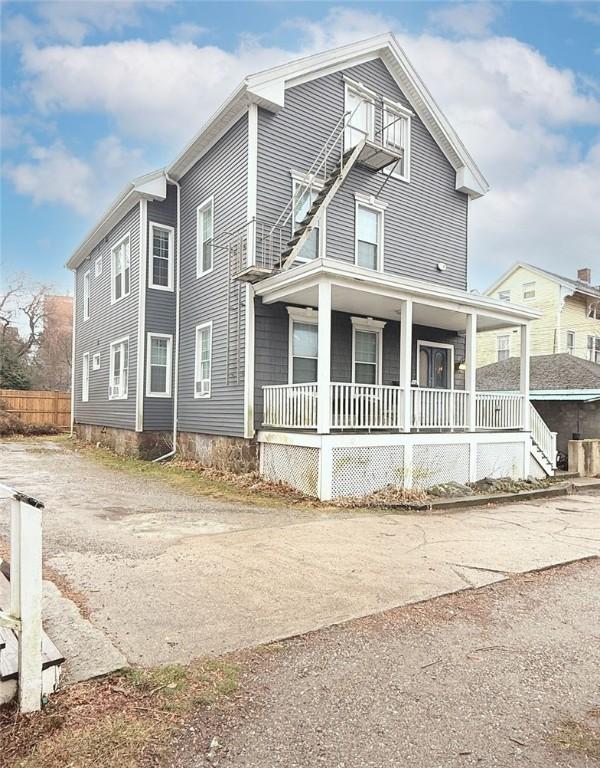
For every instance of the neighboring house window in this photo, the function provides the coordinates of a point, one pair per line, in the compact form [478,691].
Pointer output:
[203,360]
[85,378]
[161,256]
[594,311]
[503,347]
[120,269]
[367,337]
[304,197]
[204,237]
[529,290]
[304,351]
[96,362]
[86,296]
[593,348]
[396,134]
[360,114]
[369,237]
[571,342]
[504,295]
[119,369]
[158,373]
[98,267]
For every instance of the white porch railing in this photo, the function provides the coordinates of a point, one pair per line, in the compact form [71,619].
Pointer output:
[291,405]
[365,406]
[439,408]
[544,438]
[499,410]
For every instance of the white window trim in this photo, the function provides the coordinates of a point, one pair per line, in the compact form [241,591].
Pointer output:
[379,207]
[301,179]
[529,283]
[98,265]
[85,377]
[203,395]
[96,361]
[368,325]
[166,228]
[364,93]
[124,295]
[210,201]
[87,295]
[506,291]
[111,369]
[442,345]
[498,350]
[169,337]
[400,111]
[570,350]
[593,310]
[306,315]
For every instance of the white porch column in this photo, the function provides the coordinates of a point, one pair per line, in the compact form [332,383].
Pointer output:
[471,371]
[406,363]
[324,359]
[524,374]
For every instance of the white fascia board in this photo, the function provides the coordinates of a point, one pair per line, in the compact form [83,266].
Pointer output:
[152,186]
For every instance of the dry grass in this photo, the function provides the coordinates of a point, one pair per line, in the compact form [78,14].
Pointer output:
[125,720]
[11,425]
[581,737]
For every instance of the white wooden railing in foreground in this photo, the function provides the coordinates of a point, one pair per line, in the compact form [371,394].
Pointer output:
[24,614]
[291,405]
[542,436]
[499,410]
[365,406]
[439,408]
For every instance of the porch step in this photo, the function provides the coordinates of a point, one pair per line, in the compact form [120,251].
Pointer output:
[542,460]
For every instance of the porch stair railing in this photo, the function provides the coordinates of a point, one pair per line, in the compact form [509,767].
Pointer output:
[543,441]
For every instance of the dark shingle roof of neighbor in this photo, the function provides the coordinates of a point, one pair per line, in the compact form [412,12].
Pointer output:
[562,371]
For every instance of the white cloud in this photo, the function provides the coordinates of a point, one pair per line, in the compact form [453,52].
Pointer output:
[473,19]
[55,175]
[187,32]
[512,108]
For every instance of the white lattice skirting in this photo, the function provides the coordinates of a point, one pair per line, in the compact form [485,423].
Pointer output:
[332,466]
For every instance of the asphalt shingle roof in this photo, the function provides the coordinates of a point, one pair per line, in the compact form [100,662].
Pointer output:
[561,371]
[578,285]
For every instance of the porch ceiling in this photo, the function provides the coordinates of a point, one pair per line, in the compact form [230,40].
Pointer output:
[359,292]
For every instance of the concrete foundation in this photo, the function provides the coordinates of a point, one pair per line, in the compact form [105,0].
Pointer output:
[584,457]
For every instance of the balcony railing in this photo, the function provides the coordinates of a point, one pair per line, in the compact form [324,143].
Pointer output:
[375,406]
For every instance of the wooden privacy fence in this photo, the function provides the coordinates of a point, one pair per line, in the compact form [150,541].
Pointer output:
[39,406]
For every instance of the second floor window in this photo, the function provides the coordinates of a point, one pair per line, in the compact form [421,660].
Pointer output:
[594,311]
[593,348]
[119,370]
[529,290]
[571,342]
[161,257]
[86,296]
[369,229]
[360,120]
[503,348]
[304,196]
[204,237]
[120,269]
[504,295]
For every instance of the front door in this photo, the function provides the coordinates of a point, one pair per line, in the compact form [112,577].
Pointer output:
[434,367]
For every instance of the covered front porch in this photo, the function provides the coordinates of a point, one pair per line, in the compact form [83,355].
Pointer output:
[412,349]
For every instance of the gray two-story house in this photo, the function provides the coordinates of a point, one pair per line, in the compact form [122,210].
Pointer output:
[291,293]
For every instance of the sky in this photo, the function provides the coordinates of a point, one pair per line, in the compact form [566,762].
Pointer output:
[96,93]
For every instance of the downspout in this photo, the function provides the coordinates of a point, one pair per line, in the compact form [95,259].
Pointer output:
[73,353]
[173,451]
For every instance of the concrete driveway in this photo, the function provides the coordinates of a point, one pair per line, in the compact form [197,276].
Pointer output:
[168,576]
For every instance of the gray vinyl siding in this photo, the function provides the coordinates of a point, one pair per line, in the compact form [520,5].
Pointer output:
[272,349]
[426,219]
[107,323]
[160,313]
[221,173]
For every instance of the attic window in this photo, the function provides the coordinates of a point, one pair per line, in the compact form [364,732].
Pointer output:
[529,290]
[360,114]
[504,295]
[396,136]
[594,311]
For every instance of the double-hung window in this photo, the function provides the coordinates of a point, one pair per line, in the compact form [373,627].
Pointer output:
[360,114]
[304,351]
[396,136]
[204,237]
[594,311]
[571,342]
[504,295]
[86,295]
[119,369]
[203,360]
[120,265]
[593,348]
[161,257]
[529,290]
[366,350]
[85,378]
[503,348]
[369,237]
[158,370]
[304,197]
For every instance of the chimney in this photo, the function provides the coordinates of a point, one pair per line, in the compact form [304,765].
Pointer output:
[584,275]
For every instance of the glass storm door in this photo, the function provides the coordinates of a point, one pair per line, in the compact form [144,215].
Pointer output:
[434,367]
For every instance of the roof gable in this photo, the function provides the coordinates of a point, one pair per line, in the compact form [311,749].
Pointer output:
[571,286]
